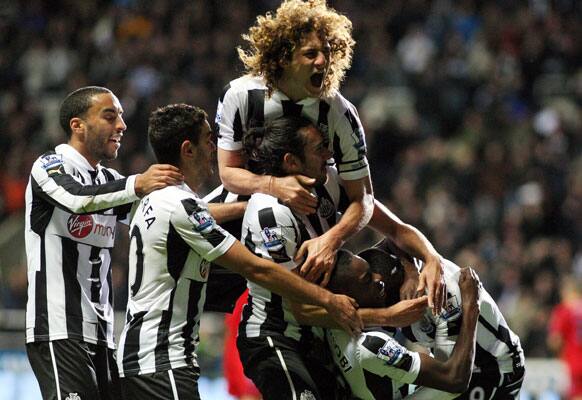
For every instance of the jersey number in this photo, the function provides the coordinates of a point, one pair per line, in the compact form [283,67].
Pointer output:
[135,233]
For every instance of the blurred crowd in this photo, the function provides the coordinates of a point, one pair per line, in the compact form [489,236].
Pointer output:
[471,110]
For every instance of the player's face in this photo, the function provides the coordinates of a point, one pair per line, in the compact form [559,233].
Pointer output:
[368,287]
[104,127]
[316,153]
[305,74]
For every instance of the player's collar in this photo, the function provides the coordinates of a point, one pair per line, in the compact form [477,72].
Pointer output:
[68,150]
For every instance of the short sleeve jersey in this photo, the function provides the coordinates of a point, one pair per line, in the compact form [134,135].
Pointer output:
[245,104]
[173,239]
[375,365]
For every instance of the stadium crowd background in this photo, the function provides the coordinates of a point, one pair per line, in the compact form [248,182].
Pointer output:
[471,111]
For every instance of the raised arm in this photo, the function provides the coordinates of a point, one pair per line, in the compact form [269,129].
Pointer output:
[454,374]
[410,240]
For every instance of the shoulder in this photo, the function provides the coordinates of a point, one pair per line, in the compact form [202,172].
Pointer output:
[339,104]
[244,84]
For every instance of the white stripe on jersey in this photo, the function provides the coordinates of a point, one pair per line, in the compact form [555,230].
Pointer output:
[173,240]
[245,103]
[434,332]
[68,255]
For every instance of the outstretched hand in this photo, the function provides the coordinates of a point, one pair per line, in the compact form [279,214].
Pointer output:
[293,191]
[343,310]
[406,312]
[158,176]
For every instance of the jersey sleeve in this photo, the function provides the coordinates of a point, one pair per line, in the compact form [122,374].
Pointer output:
[349,144]
[229,124]
[195,225]
[50,181]
[381,355]
[273,233]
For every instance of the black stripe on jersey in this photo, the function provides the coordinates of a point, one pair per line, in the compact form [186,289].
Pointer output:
[68,183]
[275,321]
[131,348]
[256,110]
[487,362]
[291,109]
[303,234]
[248,241]
[214,237]
[221,197]
[224,90]
[194,294]
[163,343]
[379,386]
[409,334]
[237,128]
[454,327]
[266,221]
[338,154]
[322,120]
[41,211]
[359,142]
[74,313]
[177,253]
[95,277]
[328,214]
[108,175]
[315,223]
[41,327]
[502,334]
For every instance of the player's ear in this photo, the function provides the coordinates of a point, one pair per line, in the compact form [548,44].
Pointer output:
[77,125]
[291,163]
[187,149]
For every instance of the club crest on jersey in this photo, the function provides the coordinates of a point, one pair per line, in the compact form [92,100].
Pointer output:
[272,238]
[52,164]
[80,226]
[325,208]
[391,352]
[202,221]
[452,308]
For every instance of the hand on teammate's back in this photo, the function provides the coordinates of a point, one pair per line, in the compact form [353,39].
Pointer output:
[432,281]
[469,284]
[158,176]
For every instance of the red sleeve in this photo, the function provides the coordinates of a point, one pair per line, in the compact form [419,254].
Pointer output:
[559,320]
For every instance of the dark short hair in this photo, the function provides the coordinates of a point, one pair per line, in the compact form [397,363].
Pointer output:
[265,146]
[76,105]
[170,125]
[342,273]
[389,267]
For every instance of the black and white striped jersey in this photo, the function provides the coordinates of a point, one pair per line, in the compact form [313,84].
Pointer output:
[272,231]
[374,364]
[498,348]
[173,239]
[245,104]
[68,246]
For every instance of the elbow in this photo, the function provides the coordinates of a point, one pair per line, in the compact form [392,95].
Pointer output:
[460,381]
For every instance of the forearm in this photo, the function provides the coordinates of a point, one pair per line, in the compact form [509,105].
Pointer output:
[405,236]
[313,315]
[240,181]
[461,361]
[224,212]
[273,277]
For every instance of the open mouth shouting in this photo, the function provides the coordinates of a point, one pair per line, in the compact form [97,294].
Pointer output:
[317,79]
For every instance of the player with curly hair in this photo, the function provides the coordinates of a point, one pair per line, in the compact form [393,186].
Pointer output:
[295,60]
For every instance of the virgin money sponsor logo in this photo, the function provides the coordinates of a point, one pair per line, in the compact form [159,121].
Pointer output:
[80,226]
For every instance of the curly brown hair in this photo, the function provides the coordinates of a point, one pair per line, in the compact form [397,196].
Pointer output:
[274,37]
